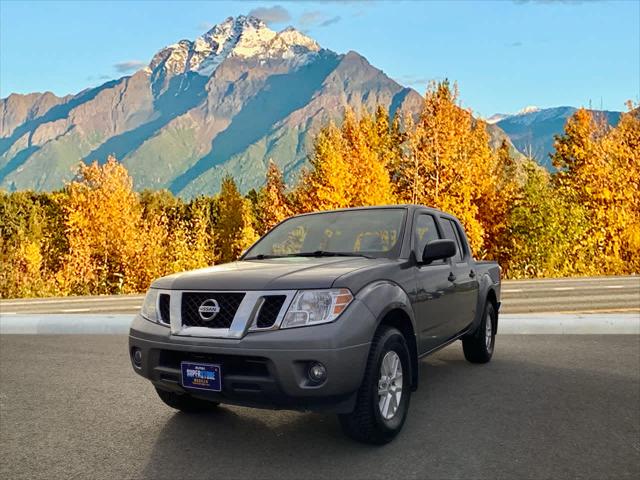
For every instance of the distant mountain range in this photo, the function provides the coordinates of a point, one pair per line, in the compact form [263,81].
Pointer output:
[532,129]
[224,103]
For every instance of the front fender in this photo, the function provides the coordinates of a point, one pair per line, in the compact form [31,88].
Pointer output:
[385,300]
[381,297]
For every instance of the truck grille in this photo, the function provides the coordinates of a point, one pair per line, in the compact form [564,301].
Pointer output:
[270,310]
[227,302]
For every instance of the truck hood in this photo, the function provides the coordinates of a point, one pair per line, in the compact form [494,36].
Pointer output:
[289,273]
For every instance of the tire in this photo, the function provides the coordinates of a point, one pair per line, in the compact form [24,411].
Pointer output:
[367,423]
[479,347]
[185,403]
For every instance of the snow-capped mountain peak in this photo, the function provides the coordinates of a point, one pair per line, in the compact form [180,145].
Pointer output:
[528,109]
[242,36]
[498,117]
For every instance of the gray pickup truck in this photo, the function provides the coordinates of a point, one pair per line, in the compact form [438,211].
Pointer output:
[328,311]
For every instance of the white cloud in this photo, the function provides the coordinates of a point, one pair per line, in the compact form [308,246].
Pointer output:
[413,80]
[316,18]
[275,14]
[129,66]
[91,78]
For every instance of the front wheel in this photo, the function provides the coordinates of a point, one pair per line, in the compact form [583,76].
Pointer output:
[478,347]
[383,398]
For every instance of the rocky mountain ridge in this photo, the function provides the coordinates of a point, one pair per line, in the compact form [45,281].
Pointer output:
[532,129]
[224,103]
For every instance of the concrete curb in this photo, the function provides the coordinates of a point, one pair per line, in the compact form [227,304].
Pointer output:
[570,324]
[65,324]
[510,324]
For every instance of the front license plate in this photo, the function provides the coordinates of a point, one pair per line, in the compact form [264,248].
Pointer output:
[203,376]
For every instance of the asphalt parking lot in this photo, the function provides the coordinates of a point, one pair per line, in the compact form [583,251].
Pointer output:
[555,406]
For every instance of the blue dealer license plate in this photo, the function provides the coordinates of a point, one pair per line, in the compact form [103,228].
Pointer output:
[203,376]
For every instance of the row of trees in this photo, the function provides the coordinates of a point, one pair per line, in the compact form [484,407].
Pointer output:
[99,236]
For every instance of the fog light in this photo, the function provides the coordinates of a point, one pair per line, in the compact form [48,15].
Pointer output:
[137,357]
[317,372]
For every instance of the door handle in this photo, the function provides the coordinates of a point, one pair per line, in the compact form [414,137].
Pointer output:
[451,277]
[472,274]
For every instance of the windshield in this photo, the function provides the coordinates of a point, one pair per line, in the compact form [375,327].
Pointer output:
[370,232]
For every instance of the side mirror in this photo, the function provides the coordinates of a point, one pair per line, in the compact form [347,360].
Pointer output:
[437,250]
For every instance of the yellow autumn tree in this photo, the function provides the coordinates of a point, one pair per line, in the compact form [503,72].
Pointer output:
[328,183]
[177,236]
[388,138]
[544,229]
[234,231]
[585,177]
[495,204]
[21,269]
[30,243]
[153,259]
[599,168]
[348,167]
[365,153]
[448,161]
[102,220]
[201,212]
[578,158]
[622,152]
[273,205]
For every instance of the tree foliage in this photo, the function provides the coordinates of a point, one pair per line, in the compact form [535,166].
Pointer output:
[234,229]
[449,161]
[599,169]
[102,220]
[272,205]
[348,166]
[99,236]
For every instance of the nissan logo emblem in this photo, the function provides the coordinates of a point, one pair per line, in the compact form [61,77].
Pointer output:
[208,309]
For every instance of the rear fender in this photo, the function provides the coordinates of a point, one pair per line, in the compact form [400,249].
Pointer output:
[486,288]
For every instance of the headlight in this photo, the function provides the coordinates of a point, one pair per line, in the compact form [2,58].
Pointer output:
[312,307]
[149,308]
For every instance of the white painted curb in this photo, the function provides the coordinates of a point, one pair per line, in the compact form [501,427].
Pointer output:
[573,324]
[63,324]
[510,324]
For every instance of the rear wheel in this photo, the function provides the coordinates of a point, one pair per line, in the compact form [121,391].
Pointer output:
[184,402]
[383,398]
[478,347]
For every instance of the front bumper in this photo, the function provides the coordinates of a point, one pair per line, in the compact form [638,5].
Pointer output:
[264,369]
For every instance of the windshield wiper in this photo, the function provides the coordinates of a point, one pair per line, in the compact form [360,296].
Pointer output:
[262,256]
[323,253]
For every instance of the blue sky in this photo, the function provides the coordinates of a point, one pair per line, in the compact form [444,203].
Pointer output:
[504,54]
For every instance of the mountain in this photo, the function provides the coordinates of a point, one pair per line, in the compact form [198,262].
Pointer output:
[496,117]
[532,130]
[224,103]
